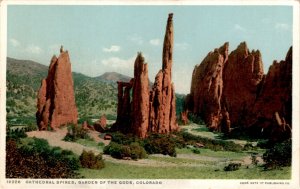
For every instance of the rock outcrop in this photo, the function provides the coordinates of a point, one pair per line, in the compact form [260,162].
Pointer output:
[123,121]
[56,101]
[162,97]
[207,87]
[233,91]
[140,98]
[243,76]
[273,108]
[149,111]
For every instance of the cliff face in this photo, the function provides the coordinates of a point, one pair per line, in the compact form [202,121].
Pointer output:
[56,101]
[242,80]
[207,87]
[273,108]
[233,91]
[162,97]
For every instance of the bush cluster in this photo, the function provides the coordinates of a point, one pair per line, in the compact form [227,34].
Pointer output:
[160,144]
[120,151]
[232,167]
[38,160]
[75,133]
[91,161]
[279,155]
[15,134]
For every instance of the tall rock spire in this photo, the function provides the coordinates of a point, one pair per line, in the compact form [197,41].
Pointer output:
[140,98]
[162,97]
[56,100]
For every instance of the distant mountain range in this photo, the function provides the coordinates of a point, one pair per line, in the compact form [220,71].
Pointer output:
[94,95]
[113,77]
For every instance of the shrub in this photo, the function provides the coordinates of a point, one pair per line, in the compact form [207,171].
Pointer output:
[75,133]
[160,144]
[119,151]
[91,161]
[278,156]
[137,152]
[16,134]
[232,167]
[101,144]
[196,151]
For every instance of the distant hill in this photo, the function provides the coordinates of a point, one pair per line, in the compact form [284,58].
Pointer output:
[93,96]
[113,77]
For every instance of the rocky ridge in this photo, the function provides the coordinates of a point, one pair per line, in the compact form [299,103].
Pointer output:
[232,91]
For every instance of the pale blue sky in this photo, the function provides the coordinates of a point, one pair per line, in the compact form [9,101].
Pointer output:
[107,38]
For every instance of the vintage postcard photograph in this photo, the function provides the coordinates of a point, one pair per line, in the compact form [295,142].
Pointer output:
[149,95]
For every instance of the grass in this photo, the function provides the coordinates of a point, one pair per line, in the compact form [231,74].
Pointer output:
[181,161]
[123,171]
[89,143]
[216,154]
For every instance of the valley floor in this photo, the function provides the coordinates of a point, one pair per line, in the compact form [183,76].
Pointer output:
[208,164]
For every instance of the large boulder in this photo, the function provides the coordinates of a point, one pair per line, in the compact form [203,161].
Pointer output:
[56,101]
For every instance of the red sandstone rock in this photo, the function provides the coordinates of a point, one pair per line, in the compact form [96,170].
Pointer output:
[162,96]
[247,98]
[207,87]
[274,103]
[184,117]
[140,98]
[56,100]
[123,121]
[242,79]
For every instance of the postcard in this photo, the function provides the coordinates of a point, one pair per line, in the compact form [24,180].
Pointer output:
[150,94]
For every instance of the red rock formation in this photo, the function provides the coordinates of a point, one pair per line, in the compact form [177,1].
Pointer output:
[273,109]
[207,87]
[184,117]
[242,80]
[123,121]
[140,98]
[248,99]
[162,96]
[56,101]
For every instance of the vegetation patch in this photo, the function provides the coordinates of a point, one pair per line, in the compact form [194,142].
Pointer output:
[91,161]
[280,155]
[133,151]
[36,159]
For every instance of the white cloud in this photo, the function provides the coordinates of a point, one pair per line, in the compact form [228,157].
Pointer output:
[282,26]
[181,46]
[14,42]
[155,42]
[113,48]
[33,49]
[238,27]
[136,39]
[116,62]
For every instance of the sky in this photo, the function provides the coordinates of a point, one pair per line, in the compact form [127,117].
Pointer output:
[107,38]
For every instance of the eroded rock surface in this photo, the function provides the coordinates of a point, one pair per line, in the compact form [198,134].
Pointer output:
[162,96]
[56,101]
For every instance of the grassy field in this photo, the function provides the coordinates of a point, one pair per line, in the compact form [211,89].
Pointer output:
[118,171]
